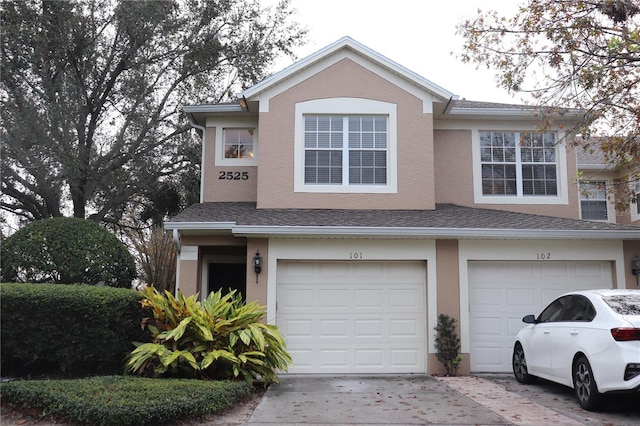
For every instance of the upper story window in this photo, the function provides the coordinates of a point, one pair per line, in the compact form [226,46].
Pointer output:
[238,143]
[345,145]
[519,167]
[518,164]
[593,200]
[342,150]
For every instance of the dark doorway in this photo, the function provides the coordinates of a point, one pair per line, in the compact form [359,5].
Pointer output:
[228,276]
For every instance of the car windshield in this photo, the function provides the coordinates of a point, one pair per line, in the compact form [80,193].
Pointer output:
[627,304]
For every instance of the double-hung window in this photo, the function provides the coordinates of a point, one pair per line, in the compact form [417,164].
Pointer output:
[345,145]
[593,200]
[518,164]
[345,150]
[238,143]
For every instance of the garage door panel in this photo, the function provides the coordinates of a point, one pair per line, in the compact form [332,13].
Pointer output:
[334,328]
[518,298]
[334,298]
[501,293]
[369,318]
[369,298]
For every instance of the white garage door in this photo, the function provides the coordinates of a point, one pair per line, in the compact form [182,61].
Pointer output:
[353,317]
[501,293]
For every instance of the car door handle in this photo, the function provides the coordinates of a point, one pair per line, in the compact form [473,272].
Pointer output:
[547,331]
[574,332]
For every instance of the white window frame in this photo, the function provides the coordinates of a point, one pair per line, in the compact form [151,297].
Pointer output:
[346,106]
[561,171]
[605,199]
[237,123]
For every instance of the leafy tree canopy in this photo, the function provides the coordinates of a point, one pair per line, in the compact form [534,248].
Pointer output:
[570,53]
[66,250]
[91,91]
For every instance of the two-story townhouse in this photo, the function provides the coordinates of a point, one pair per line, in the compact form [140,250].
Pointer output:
[357,200]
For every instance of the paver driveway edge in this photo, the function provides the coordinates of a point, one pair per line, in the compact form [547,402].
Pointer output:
[513,407]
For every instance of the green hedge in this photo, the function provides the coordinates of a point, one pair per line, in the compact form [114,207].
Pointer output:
[66,250]
[120,400]
[69,330]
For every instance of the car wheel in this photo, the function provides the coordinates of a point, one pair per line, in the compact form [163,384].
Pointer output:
[584,384]
[519,364]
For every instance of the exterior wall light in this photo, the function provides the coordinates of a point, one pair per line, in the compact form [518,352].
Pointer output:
[635,267]
[257,264]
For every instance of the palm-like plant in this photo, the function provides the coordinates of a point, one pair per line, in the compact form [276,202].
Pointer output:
[220,337]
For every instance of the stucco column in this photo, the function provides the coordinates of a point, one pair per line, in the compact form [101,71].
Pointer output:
[448,277]
[187,281]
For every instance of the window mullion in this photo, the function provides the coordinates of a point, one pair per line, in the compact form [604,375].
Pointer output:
[345,151]
[519,189]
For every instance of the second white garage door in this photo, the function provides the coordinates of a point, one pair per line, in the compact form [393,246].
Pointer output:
[501,293]
[353,317]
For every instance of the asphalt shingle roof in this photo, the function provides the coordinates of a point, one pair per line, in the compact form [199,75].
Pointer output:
[447,216]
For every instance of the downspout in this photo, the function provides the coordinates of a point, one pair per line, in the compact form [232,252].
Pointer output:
[447,107]
[176,241]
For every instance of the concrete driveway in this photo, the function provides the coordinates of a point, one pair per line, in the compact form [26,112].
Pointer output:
[421,399]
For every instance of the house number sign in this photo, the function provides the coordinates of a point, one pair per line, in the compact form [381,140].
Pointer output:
[224,175]
[355,255]
[543,256]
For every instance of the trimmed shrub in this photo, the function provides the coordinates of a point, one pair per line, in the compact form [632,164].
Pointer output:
[220,337]
[120,400]
[448,344]
[66,250]
[72,330]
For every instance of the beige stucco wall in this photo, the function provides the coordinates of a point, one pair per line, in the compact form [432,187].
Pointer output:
[346,79]
[188,277]
[454,177]
[216,189]
[448,298]
[453,167]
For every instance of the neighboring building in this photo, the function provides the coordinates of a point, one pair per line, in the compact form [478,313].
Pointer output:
[378,200]
[600,184]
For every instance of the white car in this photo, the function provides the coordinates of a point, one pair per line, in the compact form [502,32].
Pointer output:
[587,340]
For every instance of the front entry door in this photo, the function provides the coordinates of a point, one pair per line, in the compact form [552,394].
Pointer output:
[228,276]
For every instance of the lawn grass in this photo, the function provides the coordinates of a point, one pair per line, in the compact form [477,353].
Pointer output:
[123,400]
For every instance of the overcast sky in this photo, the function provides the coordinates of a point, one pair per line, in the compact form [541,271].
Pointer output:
[417,34]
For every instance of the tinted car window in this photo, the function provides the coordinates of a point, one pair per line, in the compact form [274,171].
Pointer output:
[579,308]
[552,312]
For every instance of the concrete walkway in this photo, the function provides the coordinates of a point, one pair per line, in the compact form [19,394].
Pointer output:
[376,400]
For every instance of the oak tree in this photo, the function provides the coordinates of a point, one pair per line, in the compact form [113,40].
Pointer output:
[583,54]
[91,92]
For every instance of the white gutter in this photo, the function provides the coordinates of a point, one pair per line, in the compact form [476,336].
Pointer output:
[186,226]
[369,231]
[598,167]
[194,109]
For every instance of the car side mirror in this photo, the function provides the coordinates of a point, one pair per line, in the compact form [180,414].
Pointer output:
[529,319]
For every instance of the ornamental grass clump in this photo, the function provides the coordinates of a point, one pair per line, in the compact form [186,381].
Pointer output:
[218,338]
